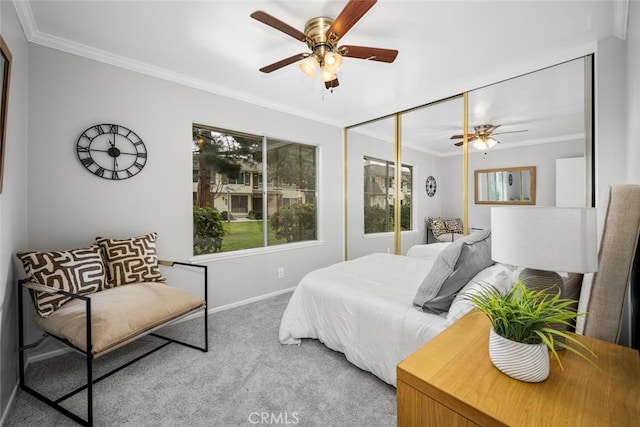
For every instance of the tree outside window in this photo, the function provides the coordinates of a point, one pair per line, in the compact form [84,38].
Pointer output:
[379,187]
[228,189]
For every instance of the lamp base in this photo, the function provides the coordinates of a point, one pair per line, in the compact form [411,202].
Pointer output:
[549,282]
[542,280]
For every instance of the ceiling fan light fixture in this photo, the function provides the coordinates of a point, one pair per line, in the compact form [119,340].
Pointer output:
[484,143]
[480,145]
[308,66]
[326,75]
[332,62]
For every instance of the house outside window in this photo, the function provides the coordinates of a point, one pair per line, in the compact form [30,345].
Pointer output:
[230,198]
[379,187]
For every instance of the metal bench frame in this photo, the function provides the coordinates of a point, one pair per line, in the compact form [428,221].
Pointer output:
[55,403]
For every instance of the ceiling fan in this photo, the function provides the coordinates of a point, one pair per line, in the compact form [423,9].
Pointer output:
[321,34]
[483,136]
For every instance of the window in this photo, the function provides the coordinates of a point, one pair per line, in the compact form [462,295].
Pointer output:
[378,196]
[230,170]
[257,180]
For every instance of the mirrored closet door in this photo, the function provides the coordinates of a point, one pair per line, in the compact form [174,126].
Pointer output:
[541,121]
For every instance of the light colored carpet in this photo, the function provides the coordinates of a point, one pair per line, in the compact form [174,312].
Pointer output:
[247,378]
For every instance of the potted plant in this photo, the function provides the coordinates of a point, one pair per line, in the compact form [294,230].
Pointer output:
[526,325]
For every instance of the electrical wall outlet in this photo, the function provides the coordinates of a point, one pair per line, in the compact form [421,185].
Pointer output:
[280,272]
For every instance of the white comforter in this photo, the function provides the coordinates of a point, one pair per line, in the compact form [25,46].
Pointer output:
[364,309]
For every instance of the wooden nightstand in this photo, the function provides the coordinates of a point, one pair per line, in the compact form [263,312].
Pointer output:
[450,381]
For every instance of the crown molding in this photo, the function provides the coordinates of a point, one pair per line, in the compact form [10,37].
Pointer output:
[35,36]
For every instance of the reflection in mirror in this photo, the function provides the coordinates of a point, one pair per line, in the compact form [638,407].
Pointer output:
[370,188]
[426,145]
[379,186]
[539,119]
[543,119]
[506,186]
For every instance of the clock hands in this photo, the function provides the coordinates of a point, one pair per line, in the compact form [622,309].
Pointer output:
[112,150]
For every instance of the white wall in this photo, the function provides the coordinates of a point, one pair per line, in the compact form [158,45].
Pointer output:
[611,114]
[451,186]
[13,201]
[541,156]
[69,207]
[424,165]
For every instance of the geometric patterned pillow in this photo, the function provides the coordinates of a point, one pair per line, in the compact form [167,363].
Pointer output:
[454,225]
[131,260]
[80,271]
[438,226]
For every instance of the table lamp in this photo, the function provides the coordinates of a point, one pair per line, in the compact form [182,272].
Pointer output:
[545,240]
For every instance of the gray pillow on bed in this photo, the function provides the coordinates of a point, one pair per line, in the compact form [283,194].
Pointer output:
[454,267]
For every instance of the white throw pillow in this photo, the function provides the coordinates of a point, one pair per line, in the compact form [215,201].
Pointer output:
[499,275]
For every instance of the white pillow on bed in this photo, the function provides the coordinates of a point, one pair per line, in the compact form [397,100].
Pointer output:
[499,275]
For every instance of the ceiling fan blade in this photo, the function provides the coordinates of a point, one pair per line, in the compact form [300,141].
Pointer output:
[469,139]
[283,62]
[332,83]
[493,129]
[469,135]
[370,53]
[350,14]
[274,22]
[512,131]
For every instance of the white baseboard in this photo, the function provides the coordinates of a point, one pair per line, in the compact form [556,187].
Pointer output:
[249,301]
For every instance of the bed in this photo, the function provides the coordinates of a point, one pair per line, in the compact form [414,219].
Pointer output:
[365,308]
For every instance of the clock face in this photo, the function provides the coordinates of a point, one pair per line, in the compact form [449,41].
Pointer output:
[111,151]
[430,186]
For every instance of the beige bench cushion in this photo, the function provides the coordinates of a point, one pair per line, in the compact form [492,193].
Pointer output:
[118,315]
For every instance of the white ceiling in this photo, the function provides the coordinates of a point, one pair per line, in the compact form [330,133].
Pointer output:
[445,47]
[545,106]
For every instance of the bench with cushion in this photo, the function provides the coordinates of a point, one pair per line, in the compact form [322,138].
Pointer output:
[443,229]
[108,295]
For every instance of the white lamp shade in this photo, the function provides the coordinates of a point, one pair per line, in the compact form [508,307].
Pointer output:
[484,143]
[332,62]
[326,75]
[479,145]
[545,238]
[308,66]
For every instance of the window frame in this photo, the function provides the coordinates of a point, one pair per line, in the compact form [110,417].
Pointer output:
[389,181]
[263,187]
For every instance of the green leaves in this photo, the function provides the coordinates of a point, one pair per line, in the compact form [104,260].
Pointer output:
[295,222]
[208,230]
[531,316]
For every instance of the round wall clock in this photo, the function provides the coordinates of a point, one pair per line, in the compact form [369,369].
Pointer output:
[111,151]
[430,186]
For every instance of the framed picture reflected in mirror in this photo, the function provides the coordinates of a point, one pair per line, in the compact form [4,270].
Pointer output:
[505,186]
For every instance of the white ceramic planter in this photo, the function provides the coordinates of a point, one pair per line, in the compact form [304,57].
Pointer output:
[524,362]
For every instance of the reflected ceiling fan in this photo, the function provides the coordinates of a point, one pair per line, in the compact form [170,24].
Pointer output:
[321,35]
[483,136]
